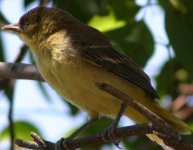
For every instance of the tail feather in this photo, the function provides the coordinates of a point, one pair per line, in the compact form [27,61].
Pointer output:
[171,119]
[179,125]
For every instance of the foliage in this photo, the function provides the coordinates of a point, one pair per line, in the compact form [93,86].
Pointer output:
[22,129]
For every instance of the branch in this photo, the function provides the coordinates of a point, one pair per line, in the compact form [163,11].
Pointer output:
[19,71]
[99,138]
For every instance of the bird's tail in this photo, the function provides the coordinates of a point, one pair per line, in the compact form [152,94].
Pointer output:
[172,120]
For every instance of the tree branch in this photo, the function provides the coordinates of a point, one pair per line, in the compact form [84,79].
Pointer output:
[99,138]
[19,71]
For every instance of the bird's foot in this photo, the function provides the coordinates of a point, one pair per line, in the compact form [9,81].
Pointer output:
[110,133]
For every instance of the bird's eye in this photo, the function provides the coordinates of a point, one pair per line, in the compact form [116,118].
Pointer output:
[25,26]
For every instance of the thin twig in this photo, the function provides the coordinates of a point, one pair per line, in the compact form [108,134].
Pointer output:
[9,92]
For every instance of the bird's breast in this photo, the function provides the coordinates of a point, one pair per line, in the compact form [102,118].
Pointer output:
[75,79]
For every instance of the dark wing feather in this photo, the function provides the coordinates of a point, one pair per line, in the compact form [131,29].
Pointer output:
[113,61]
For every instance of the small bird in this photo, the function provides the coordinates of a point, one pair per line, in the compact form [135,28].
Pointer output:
[72,56]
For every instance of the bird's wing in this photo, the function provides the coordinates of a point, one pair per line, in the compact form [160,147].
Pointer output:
[111,60]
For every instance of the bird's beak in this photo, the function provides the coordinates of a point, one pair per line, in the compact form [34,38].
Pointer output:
[11,27]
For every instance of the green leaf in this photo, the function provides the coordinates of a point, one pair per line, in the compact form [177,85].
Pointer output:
[189,138]
[73,110]
[179,27]
[179,5]
[3,20]
[22,130]
[31,57]
[2,56]
[81,9]
[140,143]
[98,126]
[126,10]
[106,23]
[171,75]
[135,40]
[28,2]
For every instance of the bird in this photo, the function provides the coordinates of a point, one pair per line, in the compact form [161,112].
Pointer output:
[72,57]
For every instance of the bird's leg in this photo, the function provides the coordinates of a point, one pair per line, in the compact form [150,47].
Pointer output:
[110,131]
[63,141]
[82,128]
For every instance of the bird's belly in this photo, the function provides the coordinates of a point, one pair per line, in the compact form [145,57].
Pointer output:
[76,83]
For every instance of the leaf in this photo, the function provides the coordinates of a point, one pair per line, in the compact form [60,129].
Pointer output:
[140,143]
[171,75]
[22,130]
[81,9]
[179,5]
[106,23]
[179,27]
[135,40]
[189,138]
[2,57]
[28,2]
[191,126]
[165,80]
[3,20]
[73,110]
[98,126]
[126,10]
[31,57]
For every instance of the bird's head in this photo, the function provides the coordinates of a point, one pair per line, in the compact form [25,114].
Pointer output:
[39,23]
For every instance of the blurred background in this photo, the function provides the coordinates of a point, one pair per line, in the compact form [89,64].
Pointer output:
[157,34]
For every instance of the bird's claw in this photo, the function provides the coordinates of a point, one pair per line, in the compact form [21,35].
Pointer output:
[110,134]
